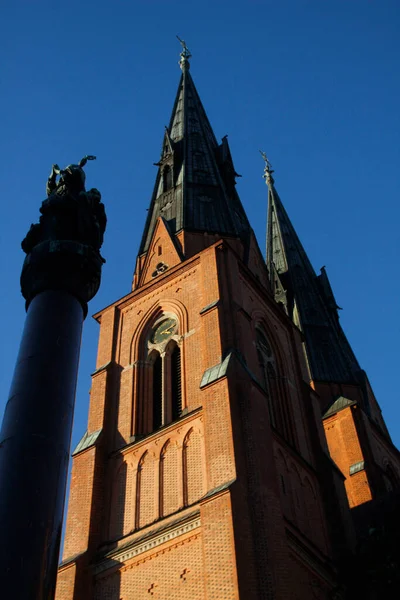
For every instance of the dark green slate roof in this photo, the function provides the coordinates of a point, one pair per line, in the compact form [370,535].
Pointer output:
[203,195]
[309,299]
[216,372]
[338,405]
[87,441]
[220,370]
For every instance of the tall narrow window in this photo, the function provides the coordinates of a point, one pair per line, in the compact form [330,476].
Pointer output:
[157,393]
[167,178]
[138,490]
[184,470]
[273,393]
[161,482]
[270,382]
[267,367]
[160,394]
[274,389]
[176,383]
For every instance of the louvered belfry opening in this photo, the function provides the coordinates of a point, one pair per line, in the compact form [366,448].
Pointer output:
[167,178]
[176,383]
[157,393]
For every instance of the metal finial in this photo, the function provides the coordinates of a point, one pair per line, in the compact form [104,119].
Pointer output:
[185,55]
[267,169]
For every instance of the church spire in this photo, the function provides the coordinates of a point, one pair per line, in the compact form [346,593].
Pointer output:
[308,297]
[195,184]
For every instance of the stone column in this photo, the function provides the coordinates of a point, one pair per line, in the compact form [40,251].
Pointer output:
[61,273]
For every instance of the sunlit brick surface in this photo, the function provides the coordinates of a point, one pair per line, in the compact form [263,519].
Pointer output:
[345,448]
[218,505]
[169,479]
[175,572]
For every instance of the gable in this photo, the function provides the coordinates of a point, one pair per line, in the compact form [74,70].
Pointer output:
[162,254]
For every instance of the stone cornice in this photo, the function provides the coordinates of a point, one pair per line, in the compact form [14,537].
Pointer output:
[183,420]
[324,570]
[137,547]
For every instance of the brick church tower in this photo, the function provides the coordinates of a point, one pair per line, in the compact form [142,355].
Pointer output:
[228,415]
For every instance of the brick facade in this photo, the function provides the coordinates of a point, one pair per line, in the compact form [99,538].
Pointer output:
[217,503]
[213,466]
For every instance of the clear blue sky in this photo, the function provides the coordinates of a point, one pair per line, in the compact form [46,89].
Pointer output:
[313,83]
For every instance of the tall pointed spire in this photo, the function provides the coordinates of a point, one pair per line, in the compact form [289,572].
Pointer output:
[308,298]
[195,184]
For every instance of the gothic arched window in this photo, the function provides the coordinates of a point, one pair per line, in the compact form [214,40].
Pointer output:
[167,178]
[176,383]
[159,391]
[273,387]
[267,366]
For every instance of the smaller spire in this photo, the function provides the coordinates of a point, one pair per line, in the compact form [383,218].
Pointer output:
[267,169]
[185,55]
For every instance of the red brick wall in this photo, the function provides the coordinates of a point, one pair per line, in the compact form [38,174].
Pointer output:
[219,573]
[166,477]
[345,449]
[384,453]
[97,401]
[106,337]
[174,571]
[66,582]
[169,479]
[193,472]
[148,490]
[306,582]
[119,501]
[80,504]
[228,440]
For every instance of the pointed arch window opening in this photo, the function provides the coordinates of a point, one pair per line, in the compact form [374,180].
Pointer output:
[176,383]
[161,482]
[160,393]
[157,416]
[279,418]
[184,471]
[138,490]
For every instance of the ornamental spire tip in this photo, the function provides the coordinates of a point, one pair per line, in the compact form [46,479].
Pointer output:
[267,169]
[185,55]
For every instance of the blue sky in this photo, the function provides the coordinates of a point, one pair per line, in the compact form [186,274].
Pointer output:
[314,83]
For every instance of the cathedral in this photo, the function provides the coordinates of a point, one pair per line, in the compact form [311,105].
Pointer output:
[234,446]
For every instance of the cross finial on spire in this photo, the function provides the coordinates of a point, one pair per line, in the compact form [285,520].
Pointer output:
[267,169]
[185,55]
